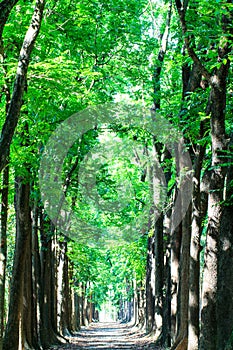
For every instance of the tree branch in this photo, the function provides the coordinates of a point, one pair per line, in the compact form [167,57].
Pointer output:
[192,54]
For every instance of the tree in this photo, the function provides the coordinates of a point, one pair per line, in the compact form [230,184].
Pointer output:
[217,80]
[224,285]
[13,111]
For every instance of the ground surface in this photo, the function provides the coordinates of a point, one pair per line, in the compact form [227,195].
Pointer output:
[108,336]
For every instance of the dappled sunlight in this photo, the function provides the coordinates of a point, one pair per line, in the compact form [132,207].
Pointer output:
[109,335]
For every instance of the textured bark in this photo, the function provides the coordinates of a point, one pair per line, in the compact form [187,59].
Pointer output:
[23,232]
[150,286]
[141,306]
[48,332]
[183,288]
[82,302]
[159,267]
[135,302]
[65,307]
[19,84]
[29,322]
[36,273]
[77,312]
[160,59]
[198,212]
[175,259]
[217,104]
[166,333]
[85,305]
[225,275]
[60,268]
[3,245]
[191,81]
[209,293]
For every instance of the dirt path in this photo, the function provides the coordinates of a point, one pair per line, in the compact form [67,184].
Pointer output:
[108,336]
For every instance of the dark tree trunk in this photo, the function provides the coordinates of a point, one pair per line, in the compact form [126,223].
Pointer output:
[23,232]
[183,287]
[29,322]
[217,82]
[225,275]
[48,333]
[65,325]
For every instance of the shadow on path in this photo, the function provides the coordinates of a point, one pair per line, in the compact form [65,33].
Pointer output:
[108,336]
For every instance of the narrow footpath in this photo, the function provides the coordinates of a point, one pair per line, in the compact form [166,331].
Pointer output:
[108,336]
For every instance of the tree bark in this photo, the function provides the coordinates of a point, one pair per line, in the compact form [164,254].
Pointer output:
[183,287]
[20,80]
[217,82]
[150,285]
[166,333]
[159,273]
[36,273]
[175,260]
[3,245]
[29,321]
[23,232]
[141,306]
[225,276]
[218,138]
[48,333]
[194,268]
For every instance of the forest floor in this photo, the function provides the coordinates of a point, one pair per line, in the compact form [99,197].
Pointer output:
[108,336]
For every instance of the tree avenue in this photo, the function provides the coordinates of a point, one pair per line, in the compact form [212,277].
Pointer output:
[153,247]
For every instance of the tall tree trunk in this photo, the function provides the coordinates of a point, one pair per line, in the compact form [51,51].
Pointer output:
[141,305]
[3,245]
[48,333]
[194,278]
[166,341]
[20,79]
[36,273]
[209,292]
[217,82]
[175,260]
[23,232]
[183,287]
[4,191]
[191,79]
[135,302]
[225,276]
[159,267]
[150,285]
[65,292]
[29,322]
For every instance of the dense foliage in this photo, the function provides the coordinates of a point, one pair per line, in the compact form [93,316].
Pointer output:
[175,59]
